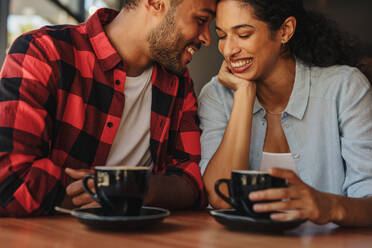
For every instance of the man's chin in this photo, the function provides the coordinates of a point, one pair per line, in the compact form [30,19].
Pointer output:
[178,71]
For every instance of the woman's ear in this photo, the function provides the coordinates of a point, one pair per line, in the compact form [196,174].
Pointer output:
[288,29]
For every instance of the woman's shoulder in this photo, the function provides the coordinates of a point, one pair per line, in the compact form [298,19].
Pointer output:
[333,80]
[338,74]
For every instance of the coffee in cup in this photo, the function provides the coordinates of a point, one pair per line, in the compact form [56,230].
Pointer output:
[242,183]
[119,189]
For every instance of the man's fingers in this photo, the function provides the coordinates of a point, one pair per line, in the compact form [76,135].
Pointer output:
[82,199]
[76,187]
[91,205]
[77,174]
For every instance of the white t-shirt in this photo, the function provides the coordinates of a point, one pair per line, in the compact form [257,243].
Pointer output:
[278,160]
[131,146]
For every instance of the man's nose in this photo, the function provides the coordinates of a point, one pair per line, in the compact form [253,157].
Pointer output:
[205,36]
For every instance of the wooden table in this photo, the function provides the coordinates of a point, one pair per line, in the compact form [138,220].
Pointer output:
[181,229]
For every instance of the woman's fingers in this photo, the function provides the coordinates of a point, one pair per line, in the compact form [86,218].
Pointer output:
[272,194]
[230,80]
[279,206]
[289,175]
[288,216]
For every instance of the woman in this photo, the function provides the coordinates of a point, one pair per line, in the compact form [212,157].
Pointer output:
[286,92]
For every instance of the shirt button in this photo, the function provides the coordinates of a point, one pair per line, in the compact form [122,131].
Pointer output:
[117,82]
[296,156]
[286,126]
[110,124]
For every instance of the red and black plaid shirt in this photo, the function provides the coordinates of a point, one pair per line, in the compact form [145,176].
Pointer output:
[61,101]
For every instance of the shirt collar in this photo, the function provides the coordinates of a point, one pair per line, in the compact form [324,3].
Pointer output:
[257,106]
[299,98]
[106,54]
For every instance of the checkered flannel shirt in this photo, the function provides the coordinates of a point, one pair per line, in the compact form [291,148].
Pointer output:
[61,101]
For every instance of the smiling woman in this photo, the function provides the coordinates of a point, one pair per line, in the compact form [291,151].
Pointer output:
[352,16]
[288,86]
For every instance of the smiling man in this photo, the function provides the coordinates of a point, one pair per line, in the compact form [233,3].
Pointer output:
[111,91]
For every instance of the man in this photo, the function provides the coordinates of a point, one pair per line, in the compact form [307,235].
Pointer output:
[111,91]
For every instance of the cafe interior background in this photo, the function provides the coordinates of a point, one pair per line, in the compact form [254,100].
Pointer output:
[19,16]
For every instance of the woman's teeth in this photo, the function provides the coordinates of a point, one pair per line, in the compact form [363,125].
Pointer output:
[190,50]
[241,63]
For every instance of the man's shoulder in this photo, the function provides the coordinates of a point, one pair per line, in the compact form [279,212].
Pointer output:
[55,37]
[63,33]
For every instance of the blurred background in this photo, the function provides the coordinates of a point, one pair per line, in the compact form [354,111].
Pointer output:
[19,16]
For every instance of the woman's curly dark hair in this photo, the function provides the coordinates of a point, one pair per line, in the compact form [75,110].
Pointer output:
[317,40]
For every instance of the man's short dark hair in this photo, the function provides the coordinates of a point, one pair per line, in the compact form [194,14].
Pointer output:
[131,4]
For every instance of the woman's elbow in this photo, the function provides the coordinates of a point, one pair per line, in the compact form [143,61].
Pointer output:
[216,201]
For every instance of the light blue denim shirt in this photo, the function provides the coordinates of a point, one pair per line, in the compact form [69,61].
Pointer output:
[327,123]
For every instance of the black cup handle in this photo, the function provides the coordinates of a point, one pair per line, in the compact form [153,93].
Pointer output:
[248,210]
[224,197]
[87,189]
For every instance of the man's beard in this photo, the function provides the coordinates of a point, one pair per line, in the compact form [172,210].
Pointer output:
[166,44]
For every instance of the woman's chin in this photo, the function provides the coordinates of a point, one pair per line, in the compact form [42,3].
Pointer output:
[245,76]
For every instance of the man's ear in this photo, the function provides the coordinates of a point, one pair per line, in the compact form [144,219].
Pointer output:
[288,29]
[155,6]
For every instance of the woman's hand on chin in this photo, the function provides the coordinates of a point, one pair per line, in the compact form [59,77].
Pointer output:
[232,81]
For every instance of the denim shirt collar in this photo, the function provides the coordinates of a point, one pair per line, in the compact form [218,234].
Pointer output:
[299,98]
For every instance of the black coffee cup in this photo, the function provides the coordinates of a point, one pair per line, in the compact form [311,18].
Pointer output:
[119,189]
[242,183]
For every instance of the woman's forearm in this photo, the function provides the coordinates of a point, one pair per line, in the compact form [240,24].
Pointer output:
[233,152]
[352,211]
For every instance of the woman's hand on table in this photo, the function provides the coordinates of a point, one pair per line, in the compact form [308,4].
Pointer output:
[298,201]
[76,191]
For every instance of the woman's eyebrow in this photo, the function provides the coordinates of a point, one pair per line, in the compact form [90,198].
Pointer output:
[242,26]
[237,26]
